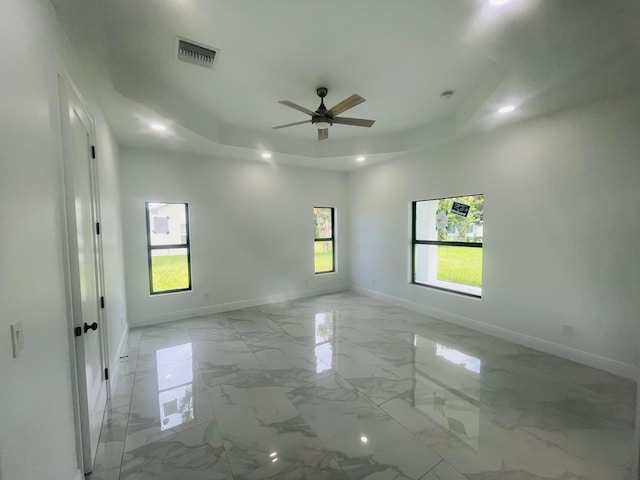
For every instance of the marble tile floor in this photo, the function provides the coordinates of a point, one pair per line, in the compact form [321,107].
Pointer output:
[343,386]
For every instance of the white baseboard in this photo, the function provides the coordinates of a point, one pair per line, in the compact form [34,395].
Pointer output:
[114,368]
[229,306]
[603,363]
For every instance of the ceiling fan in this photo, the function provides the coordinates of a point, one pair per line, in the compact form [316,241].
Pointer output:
[322,118]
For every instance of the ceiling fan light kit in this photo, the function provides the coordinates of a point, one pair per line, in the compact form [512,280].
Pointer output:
[324,118]
[321,123]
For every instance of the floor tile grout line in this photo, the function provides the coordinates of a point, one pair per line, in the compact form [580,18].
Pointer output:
[392,418]
[431,469]
[213,409]
[133,386]
[224,442]
[374,404]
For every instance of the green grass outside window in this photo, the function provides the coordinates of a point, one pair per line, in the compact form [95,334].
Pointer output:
[323,257]
[461,265]
[170,272]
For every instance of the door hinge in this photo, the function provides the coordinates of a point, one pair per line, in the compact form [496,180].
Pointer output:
[97,228]
[101,302]
[106,374]
[93,151]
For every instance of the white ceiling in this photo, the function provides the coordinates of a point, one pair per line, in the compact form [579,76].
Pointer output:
[541,55]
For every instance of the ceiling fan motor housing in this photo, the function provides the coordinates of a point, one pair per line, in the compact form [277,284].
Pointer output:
[322,118]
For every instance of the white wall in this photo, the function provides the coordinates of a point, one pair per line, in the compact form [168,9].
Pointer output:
[36,409]
[251,227]
[562,223]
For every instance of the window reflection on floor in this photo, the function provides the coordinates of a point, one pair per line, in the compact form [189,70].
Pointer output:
[175,385]
[325,326]
[459,358]
[446,388]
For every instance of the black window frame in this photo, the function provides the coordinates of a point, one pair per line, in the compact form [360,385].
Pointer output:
[415,242]
[150,248]
[332,239]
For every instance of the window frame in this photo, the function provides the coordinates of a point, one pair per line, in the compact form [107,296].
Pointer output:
[415,242]
[186,245]
[332,239]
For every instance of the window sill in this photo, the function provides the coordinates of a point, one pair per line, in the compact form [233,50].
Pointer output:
[170,292]
[475,292]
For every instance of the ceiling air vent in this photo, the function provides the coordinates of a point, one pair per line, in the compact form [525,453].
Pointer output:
[192,53]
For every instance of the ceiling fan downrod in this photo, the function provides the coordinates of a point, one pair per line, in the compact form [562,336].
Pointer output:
[322,92]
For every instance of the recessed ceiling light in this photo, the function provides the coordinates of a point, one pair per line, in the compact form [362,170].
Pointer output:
[507,109]
[158,127]
[497,3]
[266,155]
[360,159]
[364,439]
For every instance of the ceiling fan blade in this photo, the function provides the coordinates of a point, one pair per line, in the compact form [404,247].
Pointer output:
[296,107]
[291,124]
[323,134]
[358,122]
[346,104]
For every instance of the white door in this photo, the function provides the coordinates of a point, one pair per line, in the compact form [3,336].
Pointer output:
[85,263]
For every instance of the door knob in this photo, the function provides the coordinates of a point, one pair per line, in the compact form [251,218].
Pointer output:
[93,326]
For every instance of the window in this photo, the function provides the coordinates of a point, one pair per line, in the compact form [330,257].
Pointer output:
[324,244]
[168,247]
[447,244]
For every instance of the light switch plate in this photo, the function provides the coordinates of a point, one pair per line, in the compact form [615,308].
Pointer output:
[17,338]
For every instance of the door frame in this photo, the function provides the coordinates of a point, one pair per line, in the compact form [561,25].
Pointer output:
[68,95]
